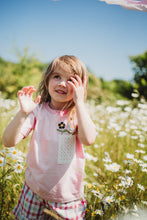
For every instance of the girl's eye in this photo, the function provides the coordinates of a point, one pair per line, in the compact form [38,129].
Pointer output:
[69,80]
[56,76]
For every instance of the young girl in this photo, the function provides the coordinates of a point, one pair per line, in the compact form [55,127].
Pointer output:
[60,124]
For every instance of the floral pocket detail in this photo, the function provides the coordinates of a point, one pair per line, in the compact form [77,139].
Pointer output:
[61,125]
[62,128]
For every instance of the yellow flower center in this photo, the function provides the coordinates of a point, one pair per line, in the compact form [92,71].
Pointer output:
[18,167]
[1,161]
[14,152]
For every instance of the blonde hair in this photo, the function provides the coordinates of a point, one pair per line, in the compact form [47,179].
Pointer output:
[76,66]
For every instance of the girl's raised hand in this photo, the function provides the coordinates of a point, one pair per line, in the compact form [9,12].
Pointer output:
[27,104]
[79,88]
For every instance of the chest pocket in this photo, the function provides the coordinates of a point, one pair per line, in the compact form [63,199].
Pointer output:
[66,148]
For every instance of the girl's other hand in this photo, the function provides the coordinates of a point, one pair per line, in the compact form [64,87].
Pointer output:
[78,88]
[27,104]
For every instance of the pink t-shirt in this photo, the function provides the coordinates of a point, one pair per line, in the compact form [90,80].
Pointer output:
[55,161]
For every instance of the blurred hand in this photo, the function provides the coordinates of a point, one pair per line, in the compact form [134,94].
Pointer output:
[27,104]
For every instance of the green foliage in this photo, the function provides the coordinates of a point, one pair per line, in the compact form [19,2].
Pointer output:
[94,90]
[14,76]
[140,69]
[123,88]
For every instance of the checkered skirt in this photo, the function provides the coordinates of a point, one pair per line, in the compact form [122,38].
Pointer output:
[30,206]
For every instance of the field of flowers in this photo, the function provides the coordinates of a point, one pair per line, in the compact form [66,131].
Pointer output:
[116,165]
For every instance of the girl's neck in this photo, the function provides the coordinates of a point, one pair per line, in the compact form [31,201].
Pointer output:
[59,107]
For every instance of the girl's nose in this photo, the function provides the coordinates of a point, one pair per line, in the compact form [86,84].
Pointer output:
[62,83]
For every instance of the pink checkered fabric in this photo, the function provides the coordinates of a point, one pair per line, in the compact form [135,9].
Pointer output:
[31,206]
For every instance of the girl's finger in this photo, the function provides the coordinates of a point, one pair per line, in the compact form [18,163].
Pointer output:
[78,79]
[72,84]
[38,99]
[20,92]
[31,91]
[27,88]
[74,81]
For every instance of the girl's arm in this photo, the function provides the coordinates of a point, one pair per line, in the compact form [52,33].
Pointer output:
[12,134]
[86,127]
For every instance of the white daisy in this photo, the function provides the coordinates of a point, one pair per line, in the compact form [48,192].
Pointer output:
[145,157]
[108,199]
[140,187]
[130,156]
[140,151]
[18,168]
[2,161]
[99,212]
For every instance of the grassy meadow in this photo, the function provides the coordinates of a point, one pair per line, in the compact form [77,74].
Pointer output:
[116,164]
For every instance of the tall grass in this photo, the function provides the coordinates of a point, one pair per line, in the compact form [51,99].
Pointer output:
[115,173]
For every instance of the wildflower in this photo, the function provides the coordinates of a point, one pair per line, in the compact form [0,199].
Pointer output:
[97,193]
[114,167]
[13,153]
[126,210]
[8,177]
[111,109]
[108,199]
[107,158]
[140,151]
[134,95]
[18,168]
[144,170]
[122,102]
[128,109]
[99,212]
[2,161]
[144,165]
[90,157]
[122,134]
[145,157]
[6,151]
[138,161]
[140,187]
[126,161]
[96,146]
[141,145]
[134,137]
[144,202]
[126,182]
[130,156]
[127,171]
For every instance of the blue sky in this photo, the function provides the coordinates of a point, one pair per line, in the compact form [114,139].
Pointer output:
[102,36]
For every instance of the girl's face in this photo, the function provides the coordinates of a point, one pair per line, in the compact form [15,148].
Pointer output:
[59,89]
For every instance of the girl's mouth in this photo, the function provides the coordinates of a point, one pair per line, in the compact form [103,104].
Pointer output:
[62,92]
